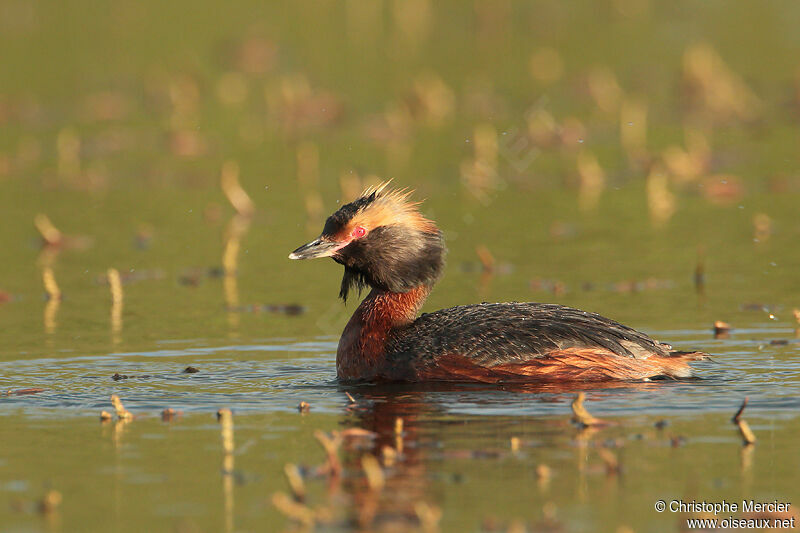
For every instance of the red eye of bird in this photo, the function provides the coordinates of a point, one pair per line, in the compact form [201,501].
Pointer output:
[358,232]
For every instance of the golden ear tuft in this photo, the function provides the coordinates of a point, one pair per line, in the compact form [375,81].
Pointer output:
[377,190]
[393,207]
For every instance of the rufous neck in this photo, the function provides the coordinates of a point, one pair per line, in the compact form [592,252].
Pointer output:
[393,309]
[362,348]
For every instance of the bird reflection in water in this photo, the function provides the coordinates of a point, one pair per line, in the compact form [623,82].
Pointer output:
[391,434]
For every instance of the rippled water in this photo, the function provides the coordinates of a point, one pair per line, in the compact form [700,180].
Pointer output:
[456,439]
[632,158]
[667,439]
[277,375]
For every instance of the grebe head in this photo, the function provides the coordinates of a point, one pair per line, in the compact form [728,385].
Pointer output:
[383,242]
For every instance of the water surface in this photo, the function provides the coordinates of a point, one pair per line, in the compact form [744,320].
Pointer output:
[116,120]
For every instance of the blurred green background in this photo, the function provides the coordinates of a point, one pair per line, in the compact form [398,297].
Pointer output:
[530,128]
[630,157]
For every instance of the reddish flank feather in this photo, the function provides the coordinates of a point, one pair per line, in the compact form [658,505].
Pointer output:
[577,364]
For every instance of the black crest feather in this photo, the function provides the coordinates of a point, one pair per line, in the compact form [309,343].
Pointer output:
[352,279]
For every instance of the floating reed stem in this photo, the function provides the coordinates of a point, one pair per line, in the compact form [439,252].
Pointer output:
[115,283]
[292,509]
[762,227]
[169,414]
[688,165]
[746,459]
[714,89]
[50,285]
[237,228]
[331,447]
[398,435]
[50,312]
[374,473]
[53,299]
[239,199]
[581,415]
[660,201]
[230,256]
[543,476]
[486,258]
[722,329]
[433,101]
[389,456]
[50,502]
[351,185]
[295,480]
[604,89]
[122,413]
[748,436]
[50,234]
[592,181]
[610,460]
[479,173]
[428,515]
[225,417]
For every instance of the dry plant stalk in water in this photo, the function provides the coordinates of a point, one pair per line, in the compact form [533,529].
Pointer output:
[581,415]
[748,436]
[122,413]
[236,195]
